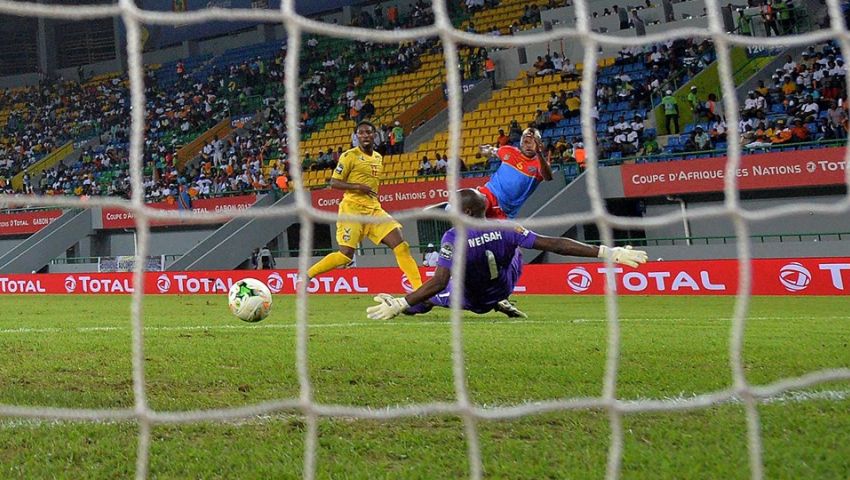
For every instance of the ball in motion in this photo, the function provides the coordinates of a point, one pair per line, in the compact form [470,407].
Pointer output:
[250,300]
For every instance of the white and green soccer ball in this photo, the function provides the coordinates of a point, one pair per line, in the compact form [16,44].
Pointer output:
[250,300]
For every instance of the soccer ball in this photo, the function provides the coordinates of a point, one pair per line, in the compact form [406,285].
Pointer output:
[250,300]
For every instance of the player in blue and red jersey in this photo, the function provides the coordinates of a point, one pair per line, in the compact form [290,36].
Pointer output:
[493,266]
[517,177]
[521,170]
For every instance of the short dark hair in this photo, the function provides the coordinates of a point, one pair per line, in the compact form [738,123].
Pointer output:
[365,122]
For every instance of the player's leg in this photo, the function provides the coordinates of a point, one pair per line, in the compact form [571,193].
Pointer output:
[340,258]
[512,277]
[348,236]
[389,234]
[493,209]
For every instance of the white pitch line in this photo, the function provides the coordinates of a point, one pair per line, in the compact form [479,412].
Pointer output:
[791,397]
[491,321]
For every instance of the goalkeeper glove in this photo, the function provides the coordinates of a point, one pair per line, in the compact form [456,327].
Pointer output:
[387,307]
[624,255]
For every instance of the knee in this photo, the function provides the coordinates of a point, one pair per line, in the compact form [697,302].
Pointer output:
[402,248]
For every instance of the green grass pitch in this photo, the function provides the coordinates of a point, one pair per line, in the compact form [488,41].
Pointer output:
[74,351]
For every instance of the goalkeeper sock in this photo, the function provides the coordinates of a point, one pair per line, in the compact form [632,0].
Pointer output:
[407,264]
[331,261]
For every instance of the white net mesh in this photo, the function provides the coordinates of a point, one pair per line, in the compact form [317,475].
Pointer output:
[740,389]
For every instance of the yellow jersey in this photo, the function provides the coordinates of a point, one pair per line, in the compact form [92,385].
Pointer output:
[356,167]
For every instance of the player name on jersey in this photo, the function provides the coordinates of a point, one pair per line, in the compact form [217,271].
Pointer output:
[484,238]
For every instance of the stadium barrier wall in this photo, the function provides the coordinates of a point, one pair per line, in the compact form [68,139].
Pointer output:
[26,223]
[394,197]
[114,218]
[803,276]
[399,196]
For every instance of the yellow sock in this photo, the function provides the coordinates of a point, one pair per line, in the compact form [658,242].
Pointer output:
[331,261]
[407,264]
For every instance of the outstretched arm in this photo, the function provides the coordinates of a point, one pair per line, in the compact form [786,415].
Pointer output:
[567,246]
[389,306]
[433,286]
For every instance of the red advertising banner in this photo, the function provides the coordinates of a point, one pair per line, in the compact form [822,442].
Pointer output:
[795,276]
[400,196]
[116,218]
[800,168]
[25,223]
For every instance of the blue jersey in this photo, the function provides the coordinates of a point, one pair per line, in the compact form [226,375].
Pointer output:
[515,179]
[490,276]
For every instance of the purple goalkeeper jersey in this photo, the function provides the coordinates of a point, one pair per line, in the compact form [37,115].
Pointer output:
[493,262]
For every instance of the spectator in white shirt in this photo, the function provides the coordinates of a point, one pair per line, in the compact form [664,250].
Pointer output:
[429,259]
[441,165]
[808,111]
[790,65]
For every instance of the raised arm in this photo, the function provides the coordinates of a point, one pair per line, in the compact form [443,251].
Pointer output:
[545,168]
[488,150]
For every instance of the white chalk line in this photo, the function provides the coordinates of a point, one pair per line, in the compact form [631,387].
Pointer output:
[790,397]
[490,321]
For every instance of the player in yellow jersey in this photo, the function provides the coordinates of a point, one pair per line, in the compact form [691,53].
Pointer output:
[358,174]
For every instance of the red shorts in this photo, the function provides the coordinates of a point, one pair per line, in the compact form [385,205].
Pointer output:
[493,208]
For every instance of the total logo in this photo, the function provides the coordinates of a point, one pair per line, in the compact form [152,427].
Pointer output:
[70,284]
[405,284]
[579,279]
[275,282]
[329,284]
[8,285]
[163,283]
[88,284]
[408,287]
[186,284]
[796,278]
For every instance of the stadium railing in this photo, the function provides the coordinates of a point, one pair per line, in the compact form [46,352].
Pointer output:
[403,103]
[651,242]
[667,157]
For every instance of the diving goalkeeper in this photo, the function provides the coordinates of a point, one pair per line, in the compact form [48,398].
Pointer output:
[493,266]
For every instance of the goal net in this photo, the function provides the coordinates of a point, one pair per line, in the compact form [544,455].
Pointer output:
[472,414]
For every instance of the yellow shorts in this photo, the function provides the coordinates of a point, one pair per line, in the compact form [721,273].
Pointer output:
[349,233]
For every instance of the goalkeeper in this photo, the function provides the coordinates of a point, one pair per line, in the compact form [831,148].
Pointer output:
[493,266]
[358,175]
